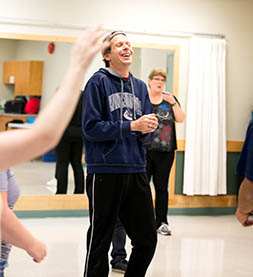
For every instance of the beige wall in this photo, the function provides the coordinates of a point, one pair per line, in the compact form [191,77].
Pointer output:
[230,17]
[54,64]
[7,52]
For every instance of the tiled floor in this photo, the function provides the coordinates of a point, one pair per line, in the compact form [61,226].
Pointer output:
[199,247]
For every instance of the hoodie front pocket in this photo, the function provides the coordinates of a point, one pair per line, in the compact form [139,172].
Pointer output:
[108,155]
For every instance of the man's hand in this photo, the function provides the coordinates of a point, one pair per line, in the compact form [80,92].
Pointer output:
[243,218]
[145,124]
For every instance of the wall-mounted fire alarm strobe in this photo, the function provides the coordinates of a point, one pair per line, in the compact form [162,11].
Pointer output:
[51,48]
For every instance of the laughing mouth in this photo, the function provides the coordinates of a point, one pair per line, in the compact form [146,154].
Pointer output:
[126,55]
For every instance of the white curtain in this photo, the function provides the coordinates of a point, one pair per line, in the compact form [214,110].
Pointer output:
[205,149]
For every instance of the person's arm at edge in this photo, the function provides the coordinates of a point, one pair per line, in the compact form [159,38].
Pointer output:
[14,232]
[245,202]
[20,145]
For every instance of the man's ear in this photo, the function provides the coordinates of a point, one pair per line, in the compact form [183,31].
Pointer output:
[107,57]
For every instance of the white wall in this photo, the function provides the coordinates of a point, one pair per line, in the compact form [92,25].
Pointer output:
[54,64]
[136,64]
[7,52]
[230,17]
[152,58]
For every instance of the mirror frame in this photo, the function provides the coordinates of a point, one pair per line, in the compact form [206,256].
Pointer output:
[76,202]
[80,202]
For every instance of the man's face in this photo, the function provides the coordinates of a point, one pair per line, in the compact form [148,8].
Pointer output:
[121,52]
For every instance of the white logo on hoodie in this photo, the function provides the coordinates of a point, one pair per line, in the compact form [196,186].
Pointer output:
[127,102]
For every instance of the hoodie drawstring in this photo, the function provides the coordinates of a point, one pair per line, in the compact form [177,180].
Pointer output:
[121,99]
[132,86]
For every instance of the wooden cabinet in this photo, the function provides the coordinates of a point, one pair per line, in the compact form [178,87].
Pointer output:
[26,76]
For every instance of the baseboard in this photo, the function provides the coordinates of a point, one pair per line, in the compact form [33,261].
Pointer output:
[51,213]
[203,211]
[84,213]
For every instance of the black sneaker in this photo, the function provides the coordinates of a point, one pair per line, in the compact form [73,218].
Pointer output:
[120,267]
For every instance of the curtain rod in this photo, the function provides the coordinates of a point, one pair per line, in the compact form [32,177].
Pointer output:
[54,24]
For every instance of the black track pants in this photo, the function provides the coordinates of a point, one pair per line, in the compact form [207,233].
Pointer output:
[159,165]
[128,197]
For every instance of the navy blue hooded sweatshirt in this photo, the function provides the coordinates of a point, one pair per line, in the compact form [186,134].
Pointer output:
[110,103]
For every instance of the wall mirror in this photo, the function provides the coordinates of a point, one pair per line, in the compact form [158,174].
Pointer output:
[37,193]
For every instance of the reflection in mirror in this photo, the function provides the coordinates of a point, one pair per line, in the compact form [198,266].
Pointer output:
[146,59]
[36,177]
[55,64]
[33,176]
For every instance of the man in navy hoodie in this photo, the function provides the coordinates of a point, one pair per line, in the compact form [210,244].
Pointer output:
[117,119]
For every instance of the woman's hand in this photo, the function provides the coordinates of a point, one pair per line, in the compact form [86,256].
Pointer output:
[167,96]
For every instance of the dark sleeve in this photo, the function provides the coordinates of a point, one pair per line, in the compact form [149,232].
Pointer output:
[177,100]
[94,125]
[74,129]
[245,163]
[147,109]
[73,132]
